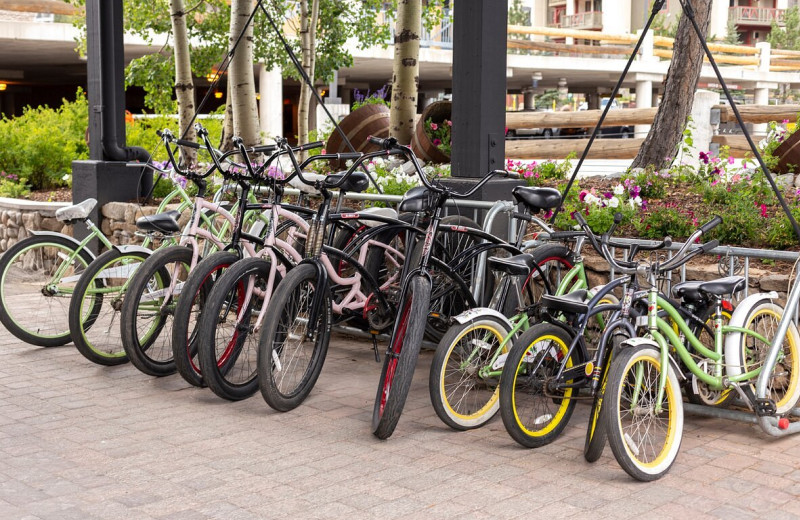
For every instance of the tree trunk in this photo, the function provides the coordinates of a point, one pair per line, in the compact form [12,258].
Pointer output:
[405,77]
[184,87]
[679,88]
[242,84]
[225,140]
[308,43]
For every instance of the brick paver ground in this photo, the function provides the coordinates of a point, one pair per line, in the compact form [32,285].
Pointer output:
[83,441]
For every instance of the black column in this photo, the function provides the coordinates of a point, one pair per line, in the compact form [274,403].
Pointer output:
[105,176]
[479,86]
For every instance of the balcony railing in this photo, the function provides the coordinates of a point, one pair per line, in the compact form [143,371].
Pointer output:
[556,3]
[586,20]
[761,16]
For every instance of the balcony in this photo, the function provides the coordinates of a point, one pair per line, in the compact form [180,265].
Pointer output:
[756,16]
[589,20]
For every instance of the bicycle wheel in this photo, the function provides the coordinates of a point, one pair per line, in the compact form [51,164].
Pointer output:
[401,359]
[697,391]
[645,440]
[37,278]
[188,311]
[289,359]
[228,346]
[783,386]
[149,307]
[554,261]
[533,414]
[462,398]
[95,309]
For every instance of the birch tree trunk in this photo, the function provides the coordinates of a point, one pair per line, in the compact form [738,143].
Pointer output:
[659,147]
[242,84]
[405,77]
[308,43]
[184,87]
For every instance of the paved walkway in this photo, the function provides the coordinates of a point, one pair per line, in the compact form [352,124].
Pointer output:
[83,441]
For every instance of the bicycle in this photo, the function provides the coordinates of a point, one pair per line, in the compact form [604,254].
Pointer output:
[40,274]
[415,294]
[643,414]
[154,288]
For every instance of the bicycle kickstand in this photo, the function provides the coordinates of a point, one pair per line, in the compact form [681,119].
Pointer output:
[374,334]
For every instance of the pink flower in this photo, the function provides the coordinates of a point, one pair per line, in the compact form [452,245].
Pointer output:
[434,126]
[764,210]
[437,142]
[731,160]
[448,122]
[785,121]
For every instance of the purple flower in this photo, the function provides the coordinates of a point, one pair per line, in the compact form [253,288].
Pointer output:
[704,157]
[608,194]
[584,193]
[437,142]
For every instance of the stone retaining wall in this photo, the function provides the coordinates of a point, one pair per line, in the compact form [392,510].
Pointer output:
[19,217]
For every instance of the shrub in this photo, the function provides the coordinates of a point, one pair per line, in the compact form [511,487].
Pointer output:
[666,220]
[41,144]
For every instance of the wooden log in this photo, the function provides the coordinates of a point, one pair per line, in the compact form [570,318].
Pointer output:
[785,62]
[563,47]
[554,32]
[737,143]
[581,118]
[664,41]
[39,6]
[759,113]
[720,58]
[560,148]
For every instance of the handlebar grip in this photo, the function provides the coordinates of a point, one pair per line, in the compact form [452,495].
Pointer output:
[580,219]
[513,175]
[311,146]
[350,155]
[708,246]
[265,148]
[521,216]
[711,224]
[375,140]
[188,144]
[386,144]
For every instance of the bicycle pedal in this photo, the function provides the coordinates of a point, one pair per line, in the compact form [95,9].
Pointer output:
[765,407]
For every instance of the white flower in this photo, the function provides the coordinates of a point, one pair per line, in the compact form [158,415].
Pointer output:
[65,177]
[632,204]
[590,199]
[613,202]
[619,189]
[349,163]
[371,166]
[638,200]
[380,161]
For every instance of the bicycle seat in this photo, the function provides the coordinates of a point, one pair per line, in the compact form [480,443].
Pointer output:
[416,200]
[574,302]
[77,212]
[355,183]
[517,265]
[537,199]
[697,291]
[166,222]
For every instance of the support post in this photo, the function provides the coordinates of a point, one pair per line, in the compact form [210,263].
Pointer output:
[479,87]
[270,86]
[104,176]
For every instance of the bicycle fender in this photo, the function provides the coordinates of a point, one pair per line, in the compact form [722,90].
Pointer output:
[473,314]
[322,282]
[733,340]
[62,235]
[648,342]
[130,248]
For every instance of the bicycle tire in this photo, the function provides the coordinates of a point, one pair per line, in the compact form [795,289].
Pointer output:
[188,312]
[784,386]
[401,359]
[149,307]
[289,363]
[26,268]
[627,444]
[537,424]
[97,304]
[460,397]
[227,349]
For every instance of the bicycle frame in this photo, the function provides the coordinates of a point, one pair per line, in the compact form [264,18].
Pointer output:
[664,335]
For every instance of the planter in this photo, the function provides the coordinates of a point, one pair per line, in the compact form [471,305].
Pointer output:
[788,152]
[421,144]
[357,126]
